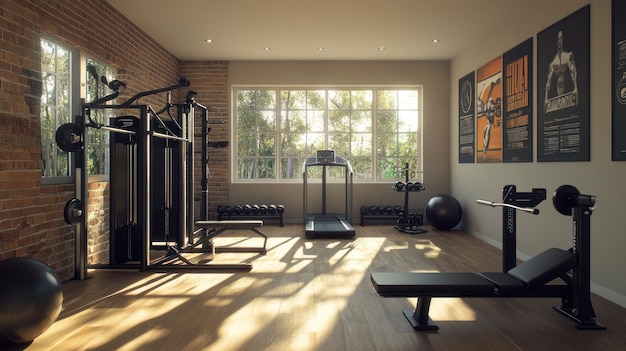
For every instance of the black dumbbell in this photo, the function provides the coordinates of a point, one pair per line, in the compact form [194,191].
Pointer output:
[380,209]
[399,186]
[388,210]
[247,209]
[237,209]
[271,209]
[220,209]
[397,209]
[263,209]
[255,209]
[228,210]
[280,209]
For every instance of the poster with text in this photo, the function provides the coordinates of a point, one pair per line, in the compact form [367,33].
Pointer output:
[619,82]
[563,89]
[489,112]
[518,103]
[466,119]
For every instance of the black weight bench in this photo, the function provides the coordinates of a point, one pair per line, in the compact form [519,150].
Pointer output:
[529,279]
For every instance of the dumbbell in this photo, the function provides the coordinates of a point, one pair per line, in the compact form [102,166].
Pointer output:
[228,210]
[247,209]
[380,209]
[280,209]
[397,209]
[373,209]
[255,209]
[237,209]
[399,186]
[263,209]
[220,209]
[271,209]
[388,210]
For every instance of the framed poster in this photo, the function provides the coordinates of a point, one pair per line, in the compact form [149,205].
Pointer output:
[466,118]
[619,82]
[489,112]
[517,145]
[563,89]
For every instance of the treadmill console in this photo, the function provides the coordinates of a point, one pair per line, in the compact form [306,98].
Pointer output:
[325,156]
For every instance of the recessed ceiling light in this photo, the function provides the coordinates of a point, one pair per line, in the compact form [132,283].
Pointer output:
[382,48]
[434,40]
[266,49]
[320,49]
[208,40]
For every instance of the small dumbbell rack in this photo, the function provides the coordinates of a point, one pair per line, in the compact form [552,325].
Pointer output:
[409,223]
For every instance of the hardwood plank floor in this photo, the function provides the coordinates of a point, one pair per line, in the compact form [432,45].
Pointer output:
[313,295]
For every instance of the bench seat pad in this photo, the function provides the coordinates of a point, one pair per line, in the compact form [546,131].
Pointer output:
[451,284]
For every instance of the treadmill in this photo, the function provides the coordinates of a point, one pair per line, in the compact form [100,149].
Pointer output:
[325,224]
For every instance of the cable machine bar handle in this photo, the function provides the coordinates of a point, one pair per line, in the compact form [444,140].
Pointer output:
[182,82]
[500,204]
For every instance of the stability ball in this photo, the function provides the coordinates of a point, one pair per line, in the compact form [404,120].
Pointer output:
[30,299]
[443,212]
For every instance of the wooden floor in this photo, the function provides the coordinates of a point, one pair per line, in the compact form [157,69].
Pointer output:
[314,295]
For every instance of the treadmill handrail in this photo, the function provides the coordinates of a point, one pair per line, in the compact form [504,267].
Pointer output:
[339,162]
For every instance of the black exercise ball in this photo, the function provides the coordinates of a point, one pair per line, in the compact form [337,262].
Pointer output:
[30,299]
[443,212]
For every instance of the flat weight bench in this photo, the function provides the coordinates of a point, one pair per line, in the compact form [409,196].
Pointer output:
[529,279]
[218,227]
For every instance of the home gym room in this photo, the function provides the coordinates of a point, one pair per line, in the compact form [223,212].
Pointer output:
[201,175]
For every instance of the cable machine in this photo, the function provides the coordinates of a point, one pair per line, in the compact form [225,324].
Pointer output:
[326,224]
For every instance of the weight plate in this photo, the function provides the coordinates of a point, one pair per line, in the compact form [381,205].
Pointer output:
[563,199]
[73,211]
[69,137]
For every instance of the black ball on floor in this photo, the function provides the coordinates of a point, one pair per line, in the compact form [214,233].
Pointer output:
[30,299]
[443,212]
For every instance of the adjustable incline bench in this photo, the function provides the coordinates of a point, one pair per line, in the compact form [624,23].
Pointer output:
[529,279]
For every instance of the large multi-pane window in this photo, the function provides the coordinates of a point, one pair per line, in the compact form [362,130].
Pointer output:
[56,106]
[276,129]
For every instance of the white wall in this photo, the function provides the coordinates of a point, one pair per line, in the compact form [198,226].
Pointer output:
[433,76]
[601,176]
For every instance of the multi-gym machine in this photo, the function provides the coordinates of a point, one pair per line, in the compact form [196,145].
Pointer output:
[529,279]
[151,182]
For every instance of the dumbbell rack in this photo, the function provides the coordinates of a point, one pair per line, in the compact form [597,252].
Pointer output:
[409,223]
[228,212]
[379,212]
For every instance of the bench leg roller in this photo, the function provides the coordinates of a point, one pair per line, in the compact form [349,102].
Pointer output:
[419,318]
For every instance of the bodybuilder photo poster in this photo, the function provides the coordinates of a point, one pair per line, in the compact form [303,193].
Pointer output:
[563,89]
[466,119]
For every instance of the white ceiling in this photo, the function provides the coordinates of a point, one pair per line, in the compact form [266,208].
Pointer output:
[346,29]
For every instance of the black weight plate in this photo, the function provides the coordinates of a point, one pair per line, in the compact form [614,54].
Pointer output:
[73,211]
[563,199]
[67,137]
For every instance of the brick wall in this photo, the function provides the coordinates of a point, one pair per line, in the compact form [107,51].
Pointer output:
[31,214]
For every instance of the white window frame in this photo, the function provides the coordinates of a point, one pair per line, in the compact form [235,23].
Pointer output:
[74,104]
